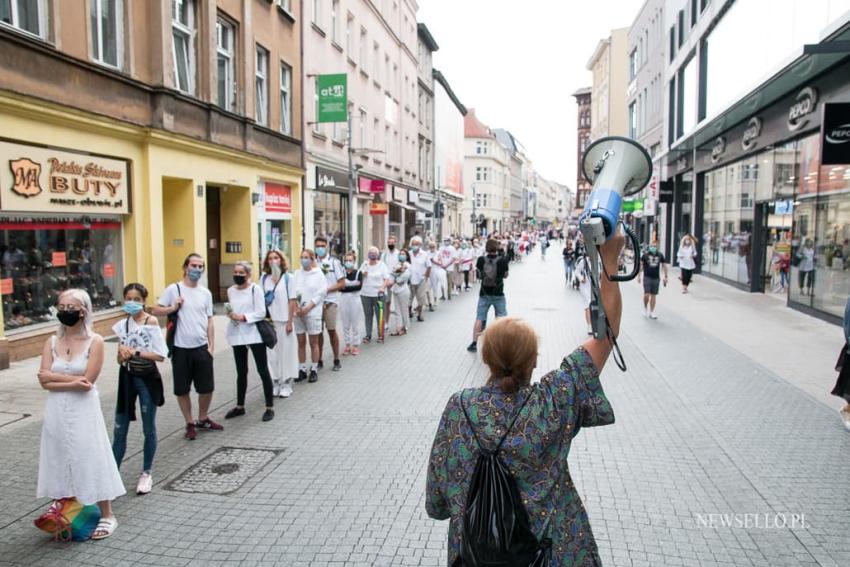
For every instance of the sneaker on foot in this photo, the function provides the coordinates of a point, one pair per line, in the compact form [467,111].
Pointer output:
[234,412]
[191,433]
[337,366]
[321,365]
[355,351]
[473,347]
[276,389]
[268,415]
[145,483]
[314,377]
[652,315]
[302,375]
[346,351]
[845,417]
[209,425]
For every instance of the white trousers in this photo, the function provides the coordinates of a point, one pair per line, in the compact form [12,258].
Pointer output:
[400,307]
[352,315]
[283,358]
[439,284]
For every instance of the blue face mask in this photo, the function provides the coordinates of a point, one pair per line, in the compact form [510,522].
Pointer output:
[132,307]
[414,249]
[653,249]
[305,263]
[402,258]
[373,256]
[194,274]
[349,265]
[321,251]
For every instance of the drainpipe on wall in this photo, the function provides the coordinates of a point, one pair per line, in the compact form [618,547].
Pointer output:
[303,137]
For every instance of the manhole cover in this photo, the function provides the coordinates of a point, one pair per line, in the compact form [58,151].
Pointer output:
[223,471]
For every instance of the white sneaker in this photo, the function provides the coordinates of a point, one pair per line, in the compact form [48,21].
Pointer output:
[652,315]
[145,483]
[285,389]
[845,417]
[276,389]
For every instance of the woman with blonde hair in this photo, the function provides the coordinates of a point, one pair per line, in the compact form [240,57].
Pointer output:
[529,427]
[76,457]
[280,298]
[687,264]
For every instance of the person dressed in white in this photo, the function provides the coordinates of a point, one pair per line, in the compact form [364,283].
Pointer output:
[279,293]
[583,273]
[420,273]
[467,256]
[445,259]
[390,258]
[686,256]
[435,277]
[335,275]
[401,295]
[246,305]
[456,275]
[376,280]
[75,459]
[311,286]
[351,306]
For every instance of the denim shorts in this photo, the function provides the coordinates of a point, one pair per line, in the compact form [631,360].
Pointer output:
[484,303]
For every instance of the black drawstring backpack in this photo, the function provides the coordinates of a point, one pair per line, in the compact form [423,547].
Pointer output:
[496,528]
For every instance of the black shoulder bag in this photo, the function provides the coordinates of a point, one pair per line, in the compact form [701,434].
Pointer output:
[171,327]
[496,527]
[265,327]
[138,366]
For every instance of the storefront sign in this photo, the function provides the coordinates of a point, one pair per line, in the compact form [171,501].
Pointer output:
[330,179]
[399,194]
[632,206]
[751,134]
[378,208]
[109,270]
[718,149]
[783,207]
[835,143]
[278,198]
[652,188]
[372,185]
[333,99]
[58,259]
[805,104]
[6,286]
[35,179]
[649,207]
[665,193]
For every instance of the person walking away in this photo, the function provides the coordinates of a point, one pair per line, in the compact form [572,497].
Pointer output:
[390,258]
[401,295]
[806,267]
[351,306]
[75,458]
[310,289]
[140,346]
[492,271]
[194,343]
[280,298]
[544,244]
[434,278]
[376,280]
[583,273]
[568,254]
[686,255]
[246,305]
[842,384]
[652,263]
[420,274]
[508,414]
[467,256]
[335,275]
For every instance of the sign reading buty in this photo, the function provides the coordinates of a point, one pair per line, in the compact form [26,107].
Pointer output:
[333,98]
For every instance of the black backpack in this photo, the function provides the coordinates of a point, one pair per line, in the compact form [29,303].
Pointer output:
[496,528]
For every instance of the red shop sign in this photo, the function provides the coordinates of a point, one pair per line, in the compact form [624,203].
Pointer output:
[379,208]
[367,185]
[278,198]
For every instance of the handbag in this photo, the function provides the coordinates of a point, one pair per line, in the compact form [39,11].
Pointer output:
[171,327]
[138,366]
[68,520]
[268,334]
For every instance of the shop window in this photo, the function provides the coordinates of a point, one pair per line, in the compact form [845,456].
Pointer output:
[43,257]
[107,31]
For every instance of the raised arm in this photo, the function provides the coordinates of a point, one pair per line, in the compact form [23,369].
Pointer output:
[609,252]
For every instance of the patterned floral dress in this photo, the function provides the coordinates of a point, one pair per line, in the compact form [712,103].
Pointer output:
[535,452]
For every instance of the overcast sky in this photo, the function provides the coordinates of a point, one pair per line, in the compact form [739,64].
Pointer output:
[518,63]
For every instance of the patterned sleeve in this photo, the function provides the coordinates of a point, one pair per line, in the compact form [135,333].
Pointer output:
[576,389]
[438,481]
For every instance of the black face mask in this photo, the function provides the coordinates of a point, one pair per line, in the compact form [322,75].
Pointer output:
[391,246]
[69,318]
[239,280]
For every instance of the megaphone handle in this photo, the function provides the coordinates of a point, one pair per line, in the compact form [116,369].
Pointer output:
[636,269]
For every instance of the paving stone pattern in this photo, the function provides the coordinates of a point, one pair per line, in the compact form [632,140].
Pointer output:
[701,430]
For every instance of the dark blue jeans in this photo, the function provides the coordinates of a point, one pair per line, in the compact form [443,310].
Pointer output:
[122,424]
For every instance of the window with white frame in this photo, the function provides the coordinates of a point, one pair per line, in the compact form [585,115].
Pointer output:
[183,40]
[317,12]
[285,98]
[261,86]
[349,36]
[26,15]
[226,64]
[376,132]
[478,200]
[362,128]
[107,31]
[334,21]
[364,50]
[376,61]
[285,4]
[387,154]
[396,149]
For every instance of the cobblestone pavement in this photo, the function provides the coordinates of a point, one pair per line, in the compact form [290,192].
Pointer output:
[702,430]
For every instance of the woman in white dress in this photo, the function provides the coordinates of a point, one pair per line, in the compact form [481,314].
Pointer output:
[76,457]
[279,290]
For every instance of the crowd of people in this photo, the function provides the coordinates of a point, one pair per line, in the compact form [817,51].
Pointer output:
[274,315]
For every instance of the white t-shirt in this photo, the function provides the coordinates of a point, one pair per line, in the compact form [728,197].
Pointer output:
[433,256]
[467,255]
[390,258]
[250,303]
[373,278]
[807,259]
[193,317]
[447,256]
[401,279]
[311,286]
[333,270]
[419,264]
[279,309]
[144,338]
[686,257]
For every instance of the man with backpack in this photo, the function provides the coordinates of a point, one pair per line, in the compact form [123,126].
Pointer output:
[492,271]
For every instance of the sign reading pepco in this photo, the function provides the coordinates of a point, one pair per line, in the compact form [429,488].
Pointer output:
[36,179]
[333,98]
[835,142]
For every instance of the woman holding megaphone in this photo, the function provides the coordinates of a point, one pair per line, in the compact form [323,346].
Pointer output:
[530,428]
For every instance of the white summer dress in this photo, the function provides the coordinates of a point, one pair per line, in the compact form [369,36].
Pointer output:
[76,456]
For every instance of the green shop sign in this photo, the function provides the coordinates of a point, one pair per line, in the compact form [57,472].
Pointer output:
[333,98]
[632,206]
